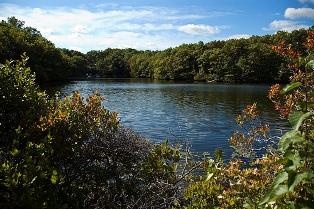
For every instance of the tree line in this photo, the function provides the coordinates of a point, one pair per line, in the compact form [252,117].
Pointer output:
[237,60]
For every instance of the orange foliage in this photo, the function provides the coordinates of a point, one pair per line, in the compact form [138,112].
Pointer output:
[286,103]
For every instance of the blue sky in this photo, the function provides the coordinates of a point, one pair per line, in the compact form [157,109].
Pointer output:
[151,24]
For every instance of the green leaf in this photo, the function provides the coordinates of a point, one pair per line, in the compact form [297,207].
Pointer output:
[14,152]
[54,177]
[296,118]
[310,64]
[295,179]
[248,203]
[209,176]
[291,86]
[306,104]
[291,178]
[275,193]
[281,177]
[291,137]
[293,160]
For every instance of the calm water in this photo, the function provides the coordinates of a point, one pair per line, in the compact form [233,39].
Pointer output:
[199,113]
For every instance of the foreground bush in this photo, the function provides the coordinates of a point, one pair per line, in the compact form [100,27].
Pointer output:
[294,184]
[25,170]
[232,185]
[21,101]
[276,181]
[73,153]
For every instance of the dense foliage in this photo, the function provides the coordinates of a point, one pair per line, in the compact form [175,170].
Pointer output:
[45,59]
[243,60]
[232,185]
[294,184]
[73,153]
[48,62]
[237,60]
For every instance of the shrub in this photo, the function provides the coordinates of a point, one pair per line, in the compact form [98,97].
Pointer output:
[294,184]
[25,172]
[21,101]
[73,153]
[232,185]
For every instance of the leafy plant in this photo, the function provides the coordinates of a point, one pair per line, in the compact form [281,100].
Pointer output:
[232,185]
[294,184]
[27,177]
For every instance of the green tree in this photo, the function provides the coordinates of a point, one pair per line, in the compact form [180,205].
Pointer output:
[45,59]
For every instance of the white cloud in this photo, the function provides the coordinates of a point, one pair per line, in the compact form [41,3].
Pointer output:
[285,25]
[121,39]
[295,13]
[307,1]
[112,26]
[238,36]
[145,27]
[199,29]
[80,29]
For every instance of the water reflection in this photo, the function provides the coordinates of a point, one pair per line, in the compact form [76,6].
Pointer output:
[200,113]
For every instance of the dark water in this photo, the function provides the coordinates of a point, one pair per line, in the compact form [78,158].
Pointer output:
[199,113]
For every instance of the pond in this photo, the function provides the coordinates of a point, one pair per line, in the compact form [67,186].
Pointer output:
[200,114]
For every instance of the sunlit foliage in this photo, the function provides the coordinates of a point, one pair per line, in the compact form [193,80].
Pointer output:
[232,185]
[294,184]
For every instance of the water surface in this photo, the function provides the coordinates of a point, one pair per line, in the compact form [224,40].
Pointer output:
[199,113]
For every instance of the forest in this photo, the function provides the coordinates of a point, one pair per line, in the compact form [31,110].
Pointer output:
[73,153]
[234,61]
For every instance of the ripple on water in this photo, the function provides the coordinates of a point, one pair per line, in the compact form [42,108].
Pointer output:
[200,114]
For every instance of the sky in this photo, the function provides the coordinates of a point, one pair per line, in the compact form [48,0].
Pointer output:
[155,25]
